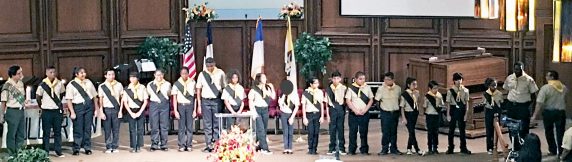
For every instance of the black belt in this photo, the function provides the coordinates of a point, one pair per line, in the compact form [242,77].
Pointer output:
[50,109]
[209,98]
[16,108]
[312,112]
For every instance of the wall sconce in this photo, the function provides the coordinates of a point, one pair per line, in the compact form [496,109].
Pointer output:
[517,15]
[562,51]
[487,9]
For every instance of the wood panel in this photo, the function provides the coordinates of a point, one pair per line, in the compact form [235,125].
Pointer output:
[411,26]
[15,17]
[348,61]
[329,19]
[25,61]
[399,63]
[79,16]
[94,62]
[136,17]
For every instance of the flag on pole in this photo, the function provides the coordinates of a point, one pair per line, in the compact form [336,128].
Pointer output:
[258,51]
[289,58]
[189,51]
[209,52]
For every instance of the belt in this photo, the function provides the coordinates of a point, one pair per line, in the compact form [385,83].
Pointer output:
[184,104]
[109,107]
[315,112]
[209,98]
[50,109]
[20,108]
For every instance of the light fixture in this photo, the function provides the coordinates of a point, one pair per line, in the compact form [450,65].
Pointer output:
[517,15]
[562,50]
[487,9]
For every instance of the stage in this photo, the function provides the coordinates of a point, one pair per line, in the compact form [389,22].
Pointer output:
[477,146]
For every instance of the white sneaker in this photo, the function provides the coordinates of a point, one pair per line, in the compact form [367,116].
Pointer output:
[331,153]
[114,151]
[409,152]
[108,151]
[490,152]
[266,152]
[60,156]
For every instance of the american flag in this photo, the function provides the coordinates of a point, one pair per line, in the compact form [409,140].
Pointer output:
[189,51]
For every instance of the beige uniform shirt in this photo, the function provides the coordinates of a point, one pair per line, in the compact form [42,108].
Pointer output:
[218,78]
[115,88]
[257,99]
[188,87]
[415,96]
[318,95]
[496,98]
[339,92]
[285,106]
[552,98]
[389,97]
[164,87]
[462,95]
[140,91]
[238,92]
[73,94]
[519,89]
[354,97]
[567,140]
[429,108]
[10,99]
[57,89]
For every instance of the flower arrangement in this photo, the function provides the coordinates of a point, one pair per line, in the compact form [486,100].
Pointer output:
[234,146]
[201,13]
[292,10]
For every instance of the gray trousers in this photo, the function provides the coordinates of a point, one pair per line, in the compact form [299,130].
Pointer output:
[209,108]
[261,127]
[229,122]
[186,124]
[159,121]
[82,126]
[287,130]
[111,128]
[16,130]
[136,130]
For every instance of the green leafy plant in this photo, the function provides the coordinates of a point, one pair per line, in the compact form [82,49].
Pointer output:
[163,51]
[313,54]
[31,154]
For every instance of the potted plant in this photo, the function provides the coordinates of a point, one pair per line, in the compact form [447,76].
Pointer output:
[32,154]
[163,51]
[312,54]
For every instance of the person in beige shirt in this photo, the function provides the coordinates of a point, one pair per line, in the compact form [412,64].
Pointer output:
[12,102]
[521,89]
[49,96]
[233,96]
[359,99]
[109,100]
[82,102]
[289,105]
[313,113]
[552,101]
[336,113]
[259,98]
[135,101]
[184,97]
[210,84]
[410,113]
[493,99]
[159,91]
[433,105]
[458,99]
[389,97]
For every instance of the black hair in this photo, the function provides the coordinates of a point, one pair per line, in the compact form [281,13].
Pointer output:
[50,68]
[257,79]
[457,76]
[231,73]
[108,70]
[311,80]
[160,70]
[408,81]
[134,74]
[209,60]
[75,71]
[13,70]
[553,74]
[519,63]
[336,74]
[530,150]
[489,81]
[358,74]
[184,68]
[389,75]
[433,84]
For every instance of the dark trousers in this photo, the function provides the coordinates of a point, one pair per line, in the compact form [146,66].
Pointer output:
[159,121]
[16,135]
[358,123]
[554,119]
[261,127]
[111,127]
[313,130]
[210,107]
[389,121]
[52,119]
[186,121]
[411,122]
[230,121]
[520,111]
[457,119]
[336,128]
[432,122]
[136,130]
[287,130]
[82,126]
[489,126]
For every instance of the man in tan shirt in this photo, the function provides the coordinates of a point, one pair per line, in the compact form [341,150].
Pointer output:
[359,99]
[49,96]
[13,99]
[389,97]
[184,96]
[109,96]
[159,91]
[210,84]
[336,113]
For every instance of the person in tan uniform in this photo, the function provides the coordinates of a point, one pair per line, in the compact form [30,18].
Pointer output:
[49,96]
[12,102]
[109,100]
[184,99]
[232,95]
[359,99]
[336,113]
[410,113]
[493,102]
[433,105]
[210,84]
[313,113]
[159,91]
[458,99]
[259,98]
[389,97]
[82,103]
[135,100]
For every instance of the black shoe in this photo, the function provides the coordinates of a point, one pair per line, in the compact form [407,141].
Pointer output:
[310,153]
[396,152]
[465,151]
[75,153]
[449,151]
[352,153]
[60,155]
[383,152]
[88,152]
[153,149]
[207,150]
[164,149]
[430,152]
[365,153]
